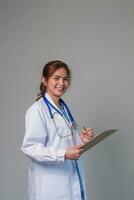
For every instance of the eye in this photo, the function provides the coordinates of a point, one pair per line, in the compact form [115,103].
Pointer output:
[56,78]
[66,79]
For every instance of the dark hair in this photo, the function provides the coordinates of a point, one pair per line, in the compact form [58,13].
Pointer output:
[48,71]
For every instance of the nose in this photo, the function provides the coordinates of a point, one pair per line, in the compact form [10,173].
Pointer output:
[61,81]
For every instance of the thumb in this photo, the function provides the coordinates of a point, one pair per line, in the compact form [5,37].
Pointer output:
[79,146]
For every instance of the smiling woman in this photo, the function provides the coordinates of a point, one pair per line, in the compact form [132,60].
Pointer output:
[54,69]
[52,140]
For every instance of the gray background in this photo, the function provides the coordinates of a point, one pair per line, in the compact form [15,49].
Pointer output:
[96,38]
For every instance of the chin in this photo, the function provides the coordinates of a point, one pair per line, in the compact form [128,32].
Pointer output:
[59,94]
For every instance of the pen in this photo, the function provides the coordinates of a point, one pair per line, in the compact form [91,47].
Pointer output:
[84,128]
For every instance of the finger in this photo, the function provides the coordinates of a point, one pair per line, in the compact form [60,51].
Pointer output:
[90,132]
[83,131]
[79,146]
[81,149]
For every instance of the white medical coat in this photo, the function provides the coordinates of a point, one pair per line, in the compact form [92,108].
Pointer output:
[51,176]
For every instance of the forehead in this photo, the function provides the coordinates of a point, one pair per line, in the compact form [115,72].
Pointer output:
[60,72]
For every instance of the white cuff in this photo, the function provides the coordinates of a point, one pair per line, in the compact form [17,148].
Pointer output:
[61,155]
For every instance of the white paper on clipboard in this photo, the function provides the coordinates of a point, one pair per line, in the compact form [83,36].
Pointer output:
[98,138]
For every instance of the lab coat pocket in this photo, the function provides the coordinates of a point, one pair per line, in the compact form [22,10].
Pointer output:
[56,186]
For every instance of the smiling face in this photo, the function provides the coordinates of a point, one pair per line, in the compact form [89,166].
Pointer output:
[57,84]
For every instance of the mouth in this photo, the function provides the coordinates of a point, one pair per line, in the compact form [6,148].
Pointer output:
[61,89]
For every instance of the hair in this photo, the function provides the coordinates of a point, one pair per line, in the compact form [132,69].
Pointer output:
[48,71]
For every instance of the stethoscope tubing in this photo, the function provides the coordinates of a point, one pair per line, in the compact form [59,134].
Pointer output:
[49,105]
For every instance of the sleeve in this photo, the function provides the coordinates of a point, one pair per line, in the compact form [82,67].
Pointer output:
[35,137]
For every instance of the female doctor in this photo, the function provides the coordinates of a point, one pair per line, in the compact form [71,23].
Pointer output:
[52,141]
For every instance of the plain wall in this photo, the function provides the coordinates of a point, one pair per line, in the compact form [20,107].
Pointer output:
[96,39]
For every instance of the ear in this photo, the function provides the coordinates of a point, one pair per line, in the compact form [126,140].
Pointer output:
[44,81]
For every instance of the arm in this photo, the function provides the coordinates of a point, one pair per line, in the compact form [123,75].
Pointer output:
[35,138]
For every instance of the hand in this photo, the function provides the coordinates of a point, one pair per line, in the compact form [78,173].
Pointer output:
[86,135]
[74,152]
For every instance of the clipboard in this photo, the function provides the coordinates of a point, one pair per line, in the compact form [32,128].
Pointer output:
[98,138]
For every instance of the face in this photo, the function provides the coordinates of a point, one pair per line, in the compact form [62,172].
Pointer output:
[58,83]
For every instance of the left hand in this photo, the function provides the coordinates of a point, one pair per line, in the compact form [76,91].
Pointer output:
[86,135]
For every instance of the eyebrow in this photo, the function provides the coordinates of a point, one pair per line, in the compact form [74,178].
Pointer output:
[60,76]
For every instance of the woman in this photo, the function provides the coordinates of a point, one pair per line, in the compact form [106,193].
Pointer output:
[52,141]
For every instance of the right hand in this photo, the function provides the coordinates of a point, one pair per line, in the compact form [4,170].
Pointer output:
[74,152]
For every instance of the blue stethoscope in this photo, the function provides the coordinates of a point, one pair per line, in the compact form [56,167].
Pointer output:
[73,127]
[65,113]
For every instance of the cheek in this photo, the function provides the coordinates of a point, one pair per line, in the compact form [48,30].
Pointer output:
[52,84]
[67,84]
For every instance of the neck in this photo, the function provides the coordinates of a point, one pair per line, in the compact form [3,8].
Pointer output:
[55,100]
